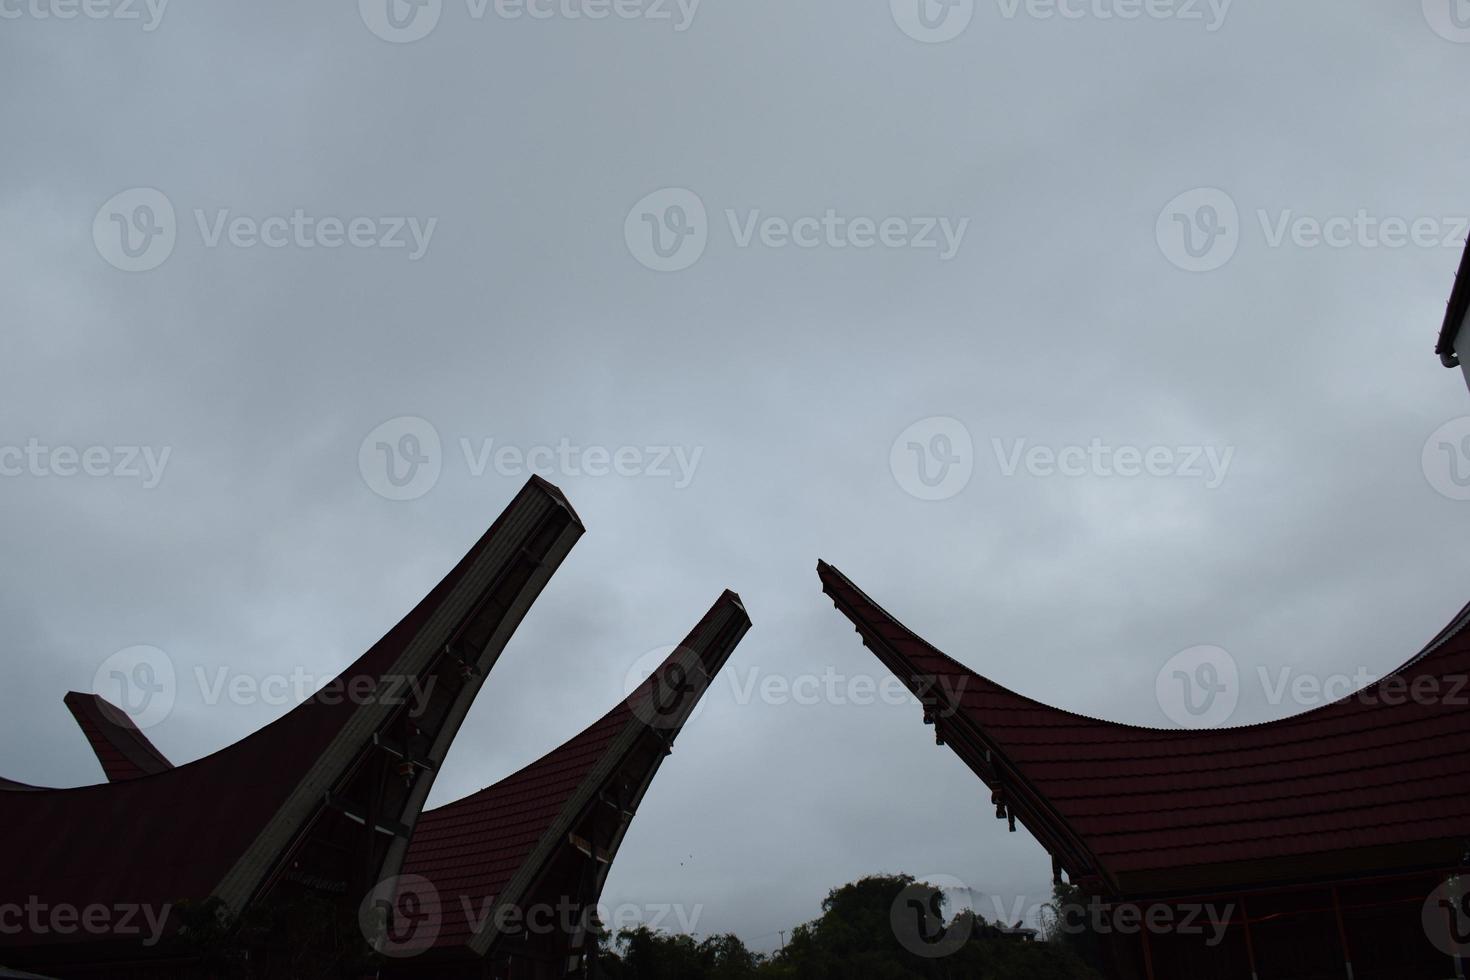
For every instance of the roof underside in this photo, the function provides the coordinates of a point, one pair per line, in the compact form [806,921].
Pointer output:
[1379,777]
[1455,314]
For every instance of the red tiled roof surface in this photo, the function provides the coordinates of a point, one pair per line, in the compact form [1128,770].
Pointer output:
[1375,770]
[171,836]
[470,849]
[125,752]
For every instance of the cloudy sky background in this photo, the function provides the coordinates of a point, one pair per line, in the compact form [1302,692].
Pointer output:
[529,320]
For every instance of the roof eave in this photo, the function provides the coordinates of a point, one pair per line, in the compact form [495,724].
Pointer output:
[1454,319]
[980,752]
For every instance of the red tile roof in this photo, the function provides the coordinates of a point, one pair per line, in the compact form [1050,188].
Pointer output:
[472,847]
[1373,779]
[125,752]
[470,850]
[177,834]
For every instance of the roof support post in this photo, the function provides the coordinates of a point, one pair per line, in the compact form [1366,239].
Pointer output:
[1148,955]
[369,829]
[1342,936]
[1250,944]
[586,886]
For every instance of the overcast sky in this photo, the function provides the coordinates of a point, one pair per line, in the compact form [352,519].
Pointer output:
[1044,285]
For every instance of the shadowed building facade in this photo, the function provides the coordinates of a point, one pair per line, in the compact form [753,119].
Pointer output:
[323,808]
[507,880]
[1324,845]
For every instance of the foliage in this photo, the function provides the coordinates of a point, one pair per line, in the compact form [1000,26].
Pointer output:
[1069,925]
[288,937]
[854,937]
